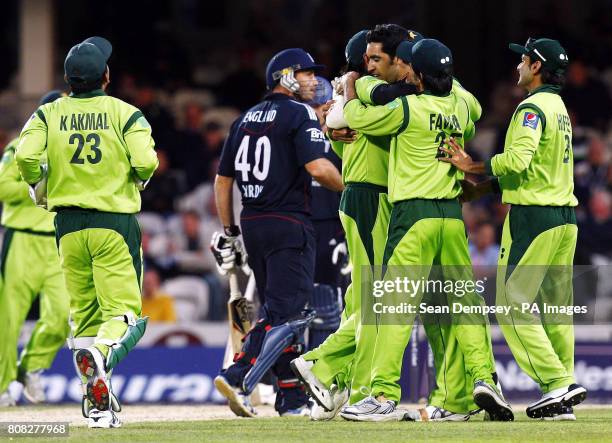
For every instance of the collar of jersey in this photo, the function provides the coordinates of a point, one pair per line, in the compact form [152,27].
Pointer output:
[428,92]
[89,94]
[545,88]
[277,96]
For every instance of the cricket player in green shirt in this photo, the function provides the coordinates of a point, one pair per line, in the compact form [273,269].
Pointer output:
[99,153]
[342,361]
[30,265]
[426,227]
[535,176]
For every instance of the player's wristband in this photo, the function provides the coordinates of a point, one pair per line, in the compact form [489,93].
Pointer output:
[232,230]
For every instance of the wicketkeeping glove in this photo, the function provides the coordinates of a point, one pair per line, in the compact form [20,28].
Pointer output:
[229,253]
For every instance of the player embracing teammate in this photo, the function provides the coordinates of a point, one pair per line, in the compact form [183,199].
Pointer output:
[426,228]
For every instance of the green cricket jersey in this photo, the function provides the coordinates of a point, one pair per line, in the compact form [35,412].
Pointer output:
[537,165]
[96,145]
[18,209]
[366,160]
[470,99]
[418,124]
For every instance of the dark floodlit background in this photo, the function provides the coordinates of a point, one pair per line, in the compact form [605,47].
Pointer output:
[193,66]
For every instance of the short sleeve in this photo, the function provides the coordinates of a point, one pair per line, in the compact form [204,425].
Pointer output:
[309,140]
[226,162]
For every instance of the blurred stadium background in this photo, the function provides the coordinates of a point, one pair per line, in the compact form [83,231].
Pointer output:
[193,66]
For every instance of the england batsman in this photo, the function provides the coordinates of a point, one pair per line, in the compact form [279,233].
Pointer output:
[535,176]
[329,236]
[426,226]
[100,153]
[30,265]
[272,151]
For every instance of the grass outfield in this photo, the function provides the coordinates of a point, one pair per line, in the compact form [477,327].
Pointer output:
[592,424]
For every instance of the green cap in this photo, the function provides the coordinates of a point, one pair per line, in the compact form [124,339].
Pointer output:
[86,62]
[404,49]
[549,52]
[431,57]
[355,48]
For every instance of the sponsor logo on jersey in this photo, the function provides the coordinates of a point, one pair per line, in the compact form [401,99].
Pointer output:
[531,120]
[316,135]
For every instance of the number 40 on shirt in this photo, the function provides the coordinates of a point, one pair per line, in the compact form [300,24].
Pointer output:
[261,168]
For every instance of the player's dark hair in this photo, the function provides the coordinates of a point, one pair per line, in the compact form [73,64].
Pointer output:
[389,35]
[361,69]
[440,84]
[556,78]
[83,87]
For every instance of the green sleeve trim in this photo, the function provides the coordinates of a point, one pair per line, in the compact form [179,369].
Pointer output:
[467,107]
[535,108]
[133,119]
[488,167]
[406,110]
[41,116]
[372,92]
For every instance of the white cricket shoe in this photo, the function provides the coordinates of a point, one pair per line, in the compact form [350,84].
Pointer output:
[302,411]
[6,400]
[90,362]
[238,402]
[566,414]
[33,389]
[553,402]
[433,413]
[339,397]
[103,419]
[317,390]
[370,409]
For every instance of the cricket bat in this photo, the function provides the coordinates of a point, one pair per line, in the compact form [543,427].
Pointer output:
[239,323]
[238,318]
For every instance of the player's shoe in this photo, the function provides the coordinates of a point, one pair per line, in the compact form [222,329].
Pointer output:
[238,403]
[552,402]
[33,389]
[90,362]
[302,411]
[493,402]
[317,390]
[566,414]
[339,397]
[6,400]
[103,419]
[370,409]
[433,413]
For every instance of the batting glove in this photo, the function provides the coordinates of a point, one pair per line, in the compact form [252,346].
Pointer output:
[340,255]
[228,252]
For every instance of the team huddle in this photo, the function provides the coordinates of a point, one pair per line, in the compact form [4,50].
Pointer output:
[399,121]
